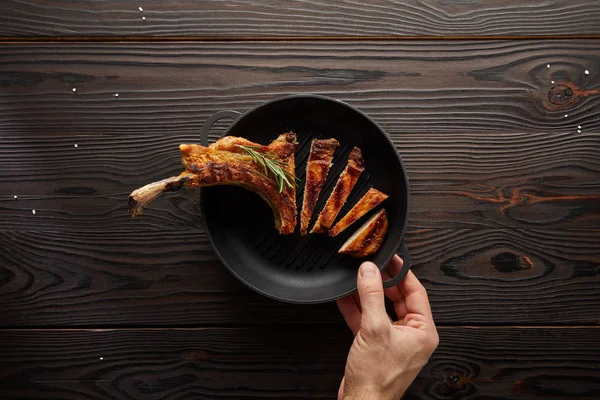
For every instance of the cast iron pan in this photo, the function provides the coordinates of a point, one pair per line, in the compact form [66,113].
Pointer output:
[294,268]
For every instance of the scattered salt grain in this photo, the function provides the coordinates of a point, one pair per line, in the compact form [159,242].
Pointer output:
[143,18]
[102,358]
[547,65]
[75,145]
[15,197]
[578,130]
[33,211]
[74,90]
[116,94]
[587,72]
[566,115]
[553,82]
[141,9]
[578,126]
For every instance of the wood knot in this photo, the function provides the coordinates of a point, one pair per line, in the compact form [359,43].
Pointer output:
[563,95]
[560,95]
[523,200]
[455,379]
[510,262]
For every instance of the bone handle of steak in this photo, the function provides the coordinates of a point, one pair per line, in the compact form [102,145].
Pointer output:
[143,196]
[213,174]
[224,163]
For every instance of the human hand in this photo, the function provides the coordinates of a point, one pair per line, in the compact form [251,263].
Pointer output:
[386,355]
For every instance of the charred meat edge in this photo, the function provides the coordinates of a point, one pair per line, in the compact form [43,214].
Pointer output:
[317,168]
[341,191]
[225,163]
[368,238]
[369,201]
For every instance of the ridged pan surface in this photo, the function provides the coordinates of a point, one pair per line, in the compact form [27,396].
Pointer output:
[295,268]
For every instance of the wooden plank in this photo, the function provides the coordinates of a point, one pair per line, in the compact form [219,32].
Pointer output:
[509,276]
[173,278]
[285,363]
[234,18]
[130,279]
[544,180]
[414,86]
[456,117]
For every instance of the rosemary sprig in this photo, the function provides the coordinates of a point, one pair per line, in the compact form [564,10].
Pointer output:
[275,167]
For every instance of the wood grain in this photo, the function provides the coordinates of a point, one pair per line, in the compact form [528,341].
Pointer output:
[457,118]
[172,278]
[285,363]
[504,218]
[541,180]
[173,364]
[415,86]
[130,279]
[318,18]
[492,276]
[511,363]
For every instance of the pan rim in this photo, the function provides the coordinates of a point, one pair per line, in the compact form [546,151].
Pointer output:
[387,258]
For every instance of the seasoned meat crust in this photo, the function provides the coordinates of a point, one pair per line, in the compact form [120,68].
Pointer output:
[369,201]
[341,191]
[225,163]
[317,168]
[368,238]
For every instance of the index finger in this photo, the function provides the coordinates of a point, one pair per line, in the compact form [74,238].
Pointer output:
[414,296]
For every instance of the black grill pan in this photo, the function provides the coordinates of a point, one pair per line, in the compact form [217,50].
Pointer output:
[294,268]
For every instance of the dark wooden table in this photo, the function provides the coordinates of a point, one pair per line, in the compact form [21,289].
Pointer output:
[494,106]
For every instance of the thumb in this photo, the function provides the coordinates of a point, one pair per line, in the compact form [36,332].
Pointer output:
[372,303]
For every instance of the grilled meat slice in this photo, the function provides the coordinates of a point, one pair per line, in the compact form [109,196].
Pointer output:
[369,201]
[340,192]
[226,163]
[317,168]
[368,238]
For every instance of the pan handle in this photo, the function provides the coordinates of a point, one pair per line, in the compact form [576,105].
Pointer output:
[405,267]
[214,118]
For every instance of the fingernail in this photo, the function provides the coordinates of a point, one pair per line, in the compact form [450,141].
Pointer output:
[368,270]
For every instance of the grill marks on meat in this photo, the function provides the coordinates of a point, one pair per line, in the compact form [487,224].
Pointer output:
[341,191]
[368,238]
[317,168]
[225,163]
[369,201]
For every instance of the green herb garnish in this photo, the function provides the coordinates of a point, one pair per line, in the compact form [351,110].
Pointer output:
[275,167]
